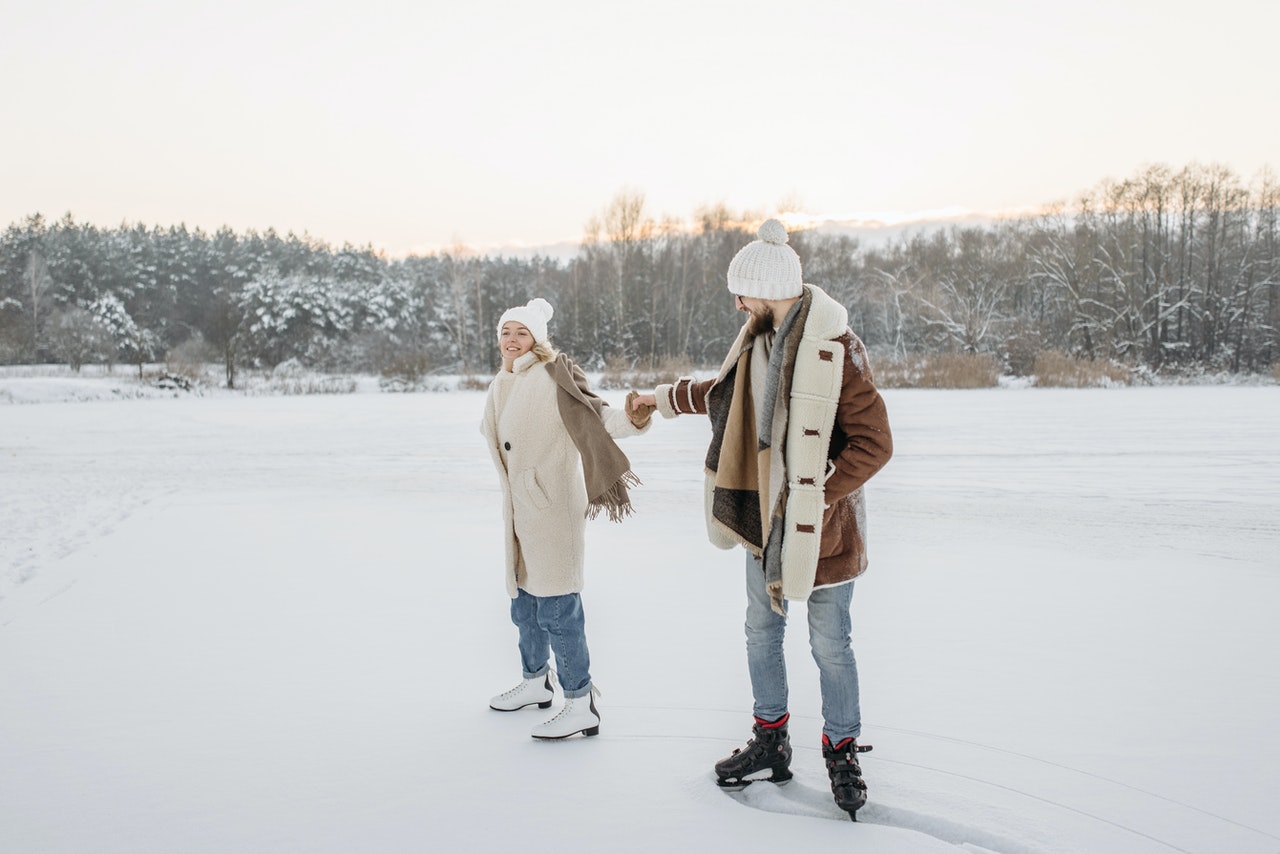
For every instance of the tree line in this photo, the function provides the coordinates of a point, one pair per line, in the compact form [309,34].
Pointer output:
[1170,270]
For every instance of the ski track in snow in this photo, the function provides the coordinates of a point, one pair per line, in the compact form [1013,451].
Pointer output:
[1132,792]
[64,513]
[801,798]
[968,785]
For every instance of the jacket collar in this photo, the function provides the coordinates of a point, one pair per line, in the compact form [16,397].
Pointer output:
[524,363]
[827,318]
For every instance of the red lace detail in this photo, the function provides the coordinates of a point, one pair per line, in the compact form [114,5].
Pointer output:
[774,724]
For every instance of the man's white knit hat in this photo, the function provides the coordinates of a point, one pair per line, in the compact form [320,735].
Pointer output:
[767,268]
[534,314]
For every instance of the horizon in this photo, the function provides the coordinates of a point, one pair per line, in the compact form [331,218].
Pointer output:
[405,129]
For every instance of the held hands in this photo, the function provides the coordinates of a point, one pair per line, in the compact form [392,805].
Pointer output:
[640,408]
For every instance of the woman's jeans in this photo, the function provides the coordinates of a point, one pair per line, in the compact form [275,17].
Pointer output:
[829,627]
[549,623]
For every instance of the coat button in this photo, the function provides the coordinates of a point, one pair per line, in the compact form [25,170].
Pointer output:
[506,445]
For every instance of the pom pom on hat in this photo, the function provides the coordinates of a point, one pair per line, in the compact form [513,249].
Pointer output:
[767,268]
[534,315]
[772,231]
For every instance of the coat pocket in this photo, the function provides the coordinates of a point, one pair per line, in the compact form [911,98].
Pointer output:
[533,490]
[835,521]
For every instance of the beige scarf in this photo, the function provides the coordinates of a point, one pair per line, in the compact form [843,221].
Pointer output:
[746,455]
[605,467]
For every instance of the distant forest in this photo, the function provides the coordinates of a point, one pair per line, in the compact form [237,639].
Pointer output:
[1170,271]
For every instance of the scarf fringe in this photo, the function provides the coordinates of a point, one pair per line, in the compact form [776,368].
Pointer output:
[775,598]
[615,501]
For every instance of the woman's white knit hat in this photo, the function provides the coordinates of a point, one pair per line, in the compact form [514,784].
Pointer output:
[534,314]
[767,268]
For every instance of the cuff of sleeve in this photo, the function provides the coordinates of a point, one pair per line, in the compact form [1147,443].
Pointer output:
[662,398]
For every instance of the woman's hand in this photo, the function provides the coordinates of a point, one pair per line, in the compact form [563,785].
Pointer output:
[640,408]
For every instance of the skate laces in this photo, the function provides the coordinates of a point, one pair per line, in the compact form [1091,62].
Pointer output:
[564,710]
[525,684]
[515,692]
[569,704]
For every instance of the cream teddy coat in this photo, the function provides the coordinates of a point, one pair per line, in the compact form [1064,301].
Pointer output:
[544,497]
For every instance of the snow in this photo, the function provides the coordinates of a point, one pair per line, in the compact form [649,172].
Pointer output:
[272,624]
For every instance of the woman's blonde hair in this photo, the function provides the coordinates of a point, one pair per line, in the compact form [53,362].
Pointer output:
[544,351]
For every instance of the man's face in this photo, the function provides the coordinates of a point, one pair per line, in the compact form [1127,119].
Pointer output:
[761,320]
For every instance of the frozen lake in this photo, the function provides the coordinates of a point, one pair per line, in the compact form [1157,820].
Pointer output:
[272,624]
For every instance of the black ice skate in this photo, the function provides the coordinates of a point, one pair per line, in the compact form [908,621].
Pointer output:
[845,774]
[768,750]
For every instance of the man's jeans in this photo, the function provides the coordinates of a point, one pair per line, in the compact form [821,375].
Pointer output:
[553,622]
[829,627]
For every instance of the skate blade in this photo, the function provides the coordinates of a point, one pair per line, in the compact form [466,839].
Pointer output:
[545,705]
[853,811]
[585,733]
[737,785]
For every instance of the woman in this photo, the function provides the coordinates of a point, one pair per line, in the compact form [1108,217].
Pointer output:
[552,441]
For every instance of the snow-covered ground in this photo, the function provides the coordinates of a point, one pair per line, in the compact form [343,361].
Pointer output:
[272,624]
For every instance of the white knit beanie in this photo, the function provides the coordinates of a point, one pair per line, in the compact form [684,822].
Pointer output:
[767,268]
[534,314]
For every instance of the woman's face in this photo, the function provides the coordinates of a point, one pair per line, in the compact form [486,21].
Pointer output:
[514,341]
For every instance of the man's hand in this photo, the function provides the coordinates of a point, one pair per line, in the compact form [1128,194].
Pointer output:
[635,400]
[640,408]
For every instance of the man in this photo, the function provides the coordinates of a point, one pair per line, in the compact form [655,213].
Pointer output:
[797,429]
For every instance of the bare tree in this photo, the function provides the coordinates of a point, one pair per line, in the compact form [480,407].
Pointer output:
[966,300]
[624,260]
[460,322]
[78,338]
[38,283]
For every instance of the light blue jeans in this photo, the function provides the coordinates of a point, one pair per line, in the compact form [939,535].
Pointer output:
[829,626]
[557,623]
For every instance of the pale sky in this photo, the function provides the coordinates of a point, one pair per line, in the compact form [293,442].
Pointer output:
[413,126]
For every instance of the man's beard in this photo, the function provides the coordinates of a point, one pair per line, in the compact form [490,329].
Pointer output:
[760,323]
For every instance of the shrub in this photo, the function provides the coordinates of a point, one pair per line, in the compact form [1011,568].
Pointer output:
[291,377]
[471,382]
[393,359]
[400,385]
[937,370]
[1020,350]
[189,358]
[620,374]
[407,365]
[1056,369]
